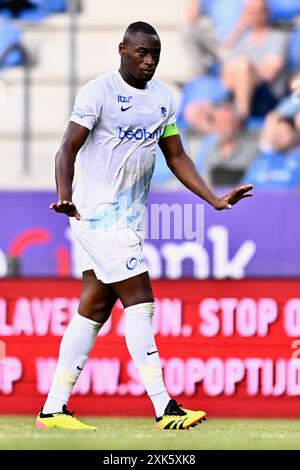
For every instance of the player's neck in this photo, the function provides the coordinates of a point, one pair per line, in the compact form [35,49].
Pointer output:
[130,80]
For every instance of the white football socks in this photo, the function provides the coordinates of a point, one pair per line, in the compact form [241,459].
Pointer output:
[141,345]
[77,342]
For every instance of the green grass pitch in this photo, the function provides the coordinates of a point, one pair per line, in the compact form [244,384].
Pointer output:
[141,433]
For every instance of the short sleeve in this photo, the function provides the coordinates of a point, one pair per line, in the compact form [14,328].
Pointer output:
[279,45]
[87,107]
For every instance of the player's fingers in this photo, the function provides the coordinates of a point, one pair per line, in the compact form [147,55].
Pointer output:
[246,187]
[55,206]
[60,206]
[241,190]
[73,213]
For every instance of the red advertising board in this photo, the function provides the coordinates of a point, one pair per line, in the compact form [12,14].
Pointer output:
[229,347]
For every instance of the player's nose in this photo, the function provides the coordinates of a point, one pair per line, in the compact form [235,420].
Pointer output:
[149,61]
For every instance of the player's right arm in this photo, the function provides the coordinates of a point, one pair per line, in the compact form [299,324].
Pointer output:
[74,138]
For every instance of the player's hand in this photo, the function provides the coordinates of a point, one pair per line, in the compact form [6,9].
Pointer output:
[226,202]
[65,207]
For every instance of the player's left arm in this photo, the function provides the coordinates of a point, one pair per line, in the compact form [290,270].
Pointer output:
[184,169]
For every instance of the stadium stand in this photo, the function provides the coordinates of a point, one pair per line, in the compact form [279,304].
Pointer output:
[99,31]
[270,96]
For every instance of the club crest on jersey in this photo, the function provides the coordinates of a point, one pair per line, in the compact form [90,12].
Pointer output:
[124,99]
[164,111]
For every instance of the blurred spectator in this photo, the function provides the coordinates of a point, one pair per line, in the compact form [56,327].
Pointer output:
[229,152]
[199,98]
[210,26]
[254,69]
[279,167]
[289,107]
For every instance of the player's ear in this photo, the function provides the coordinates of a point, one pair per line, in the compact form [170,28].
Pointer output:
[122,49]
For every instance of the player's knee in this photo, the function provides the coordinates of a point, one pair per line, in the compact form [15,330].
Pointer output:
[91,307]
[101,316]
[243,66]
[95,312]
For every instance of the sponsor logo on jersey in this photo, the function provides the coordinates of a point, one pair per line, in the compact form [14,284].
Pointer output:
[138,134]
[125,109]
[124,99]
[164,111]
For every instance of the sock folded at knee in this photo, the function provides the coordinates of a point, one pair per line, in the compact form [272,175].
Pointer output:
[75,347]
[142,347]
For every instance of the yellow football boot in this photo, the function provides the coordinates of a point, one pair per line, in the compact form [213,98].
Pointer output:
[62,420]
[179,418]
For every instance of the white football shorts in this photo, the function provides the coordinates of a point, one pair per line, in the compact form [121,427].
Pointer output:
[113,254]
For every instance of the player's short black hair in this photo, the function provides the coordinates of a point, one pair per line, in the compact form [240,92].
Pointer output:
[139,27]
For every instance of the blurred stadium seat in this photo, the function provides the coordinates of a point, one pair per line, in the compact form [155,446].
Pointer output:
[10,40]
[15,8]
[34,10]
[284,10]
[57,6]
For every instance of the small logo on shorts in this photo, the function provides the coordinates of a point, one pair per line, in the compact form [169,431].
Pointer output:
[131,263]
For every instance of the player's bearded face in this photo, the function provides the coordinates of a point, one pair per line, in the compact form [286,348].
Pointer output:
[141,56]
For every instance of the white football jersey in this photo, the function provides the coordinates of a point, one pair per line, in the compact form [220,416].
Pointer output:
[118,157]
